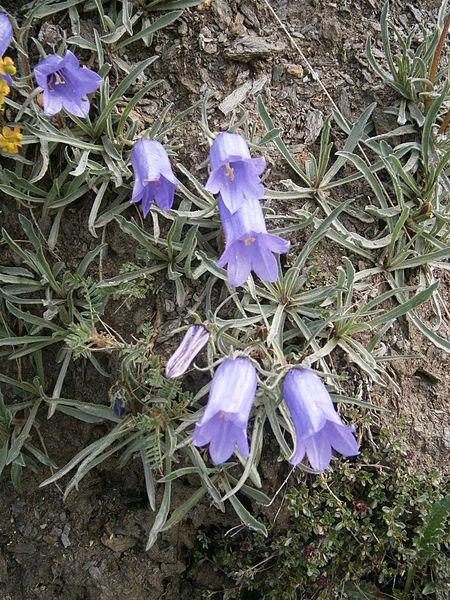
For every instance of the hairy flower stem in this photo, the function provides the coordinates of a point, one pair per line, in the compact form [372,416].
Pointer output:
[437,56]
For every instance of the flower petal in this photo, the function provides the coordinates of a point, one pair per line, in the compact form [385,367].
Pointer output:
[216,181]
[246,176]
[6,33]
[70,61]
[232,390]
[299,453]
[228,147]
[342,439]
[79,107]
[7,77]
[138,190]
[247,220]
[64,78]
[242,442]
[52,103]
[230,192]
[275,243]
[195,339]
[308,401]
[264,264]
[165,194]
[257,164]
[225,419]
[318,450]
[234,174]
[222,443]
[225,256]
[204,432]
[46,67]
[148,195]
[87,81]
[239,264]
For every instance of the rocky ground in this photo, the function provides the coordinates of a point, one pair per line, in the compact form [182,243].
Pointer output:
[91,547]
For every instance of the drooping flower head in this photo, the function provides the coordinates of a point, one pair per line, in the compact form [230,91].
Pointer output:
[235,175]
[66,84]
[154,178]
[318,427]
[248,246]
[196,337]
[6,33]
[224,422]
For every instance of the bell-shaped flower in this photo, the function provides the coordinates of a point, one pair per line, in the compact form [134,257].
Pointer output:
[6,33]
[66,84]
[154,178]
[248,246]
[235,175]
[224,422]
[196,337]
[318,427]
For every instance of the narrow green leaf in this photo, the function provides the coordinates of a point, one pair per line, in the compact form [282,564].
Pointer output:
[120,90]
[18,442]
[247,519]
[160,23]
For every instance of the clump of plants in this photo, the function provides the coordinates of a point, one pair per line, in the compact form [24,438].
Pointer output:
[375,528]
[272,330]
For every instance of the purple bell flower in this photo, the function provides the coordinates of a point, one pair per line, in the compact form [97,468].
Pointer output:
[196,337]
[6,33]
[224,422]
[248,246]
[154,178]
[120,408]
[66,84]
[318,427]
[235,175]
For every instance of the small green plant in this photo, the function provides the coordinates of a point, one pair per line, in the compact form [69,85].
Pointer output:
[17,449]
[136,289]
[374,529]
[412,71]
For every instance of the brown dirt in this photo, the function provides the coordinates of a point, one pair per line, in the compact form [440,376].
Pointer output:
[107,520]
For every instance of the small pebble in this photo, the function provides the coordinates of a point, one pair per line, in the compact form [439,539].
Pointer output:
[294,70]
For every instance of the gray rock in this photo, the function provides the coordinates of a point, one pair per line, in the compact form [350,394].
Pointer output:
[247,48]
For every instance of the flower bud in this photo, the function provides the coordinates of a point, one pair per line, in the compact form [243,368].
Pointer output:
[235,175]
[196,337]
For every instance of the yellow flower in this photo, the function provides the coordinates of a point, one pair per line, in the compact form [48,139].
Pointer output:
[4,88]
[10,140]
[4,91]
[7,66]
